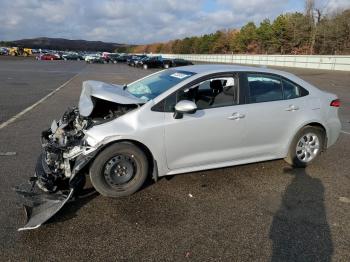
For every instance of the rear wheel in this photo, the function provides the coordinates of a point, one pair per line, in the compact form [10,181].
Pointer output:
[306,146]
[119,170]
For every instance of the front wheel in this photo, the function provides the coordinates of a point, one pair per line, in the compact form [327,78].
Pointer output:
[166,66]
[145,67]
[119,170]
[306,146]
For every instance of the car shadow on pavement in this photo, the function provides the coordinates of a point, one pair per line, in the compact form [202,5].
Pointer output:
[299,229]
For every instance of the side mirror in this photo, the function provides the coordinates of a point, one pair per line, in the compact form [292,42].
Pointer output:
[184,107]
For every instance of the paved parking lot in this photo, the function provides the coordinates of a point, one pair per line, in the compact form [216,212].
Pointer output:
[256,212]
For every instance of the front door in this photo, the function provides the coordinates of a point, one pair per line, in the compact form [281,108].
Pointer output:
[215,133]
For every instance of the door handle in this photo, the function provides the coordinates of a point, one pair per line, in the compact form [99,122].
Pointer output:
[292,108]
[236,116]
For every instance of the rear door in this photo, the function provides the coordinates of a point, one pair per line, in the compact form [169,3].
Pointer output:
[274,107]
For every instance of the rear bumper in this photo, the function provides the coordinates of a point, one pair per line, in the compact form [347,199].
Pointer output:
[333,131]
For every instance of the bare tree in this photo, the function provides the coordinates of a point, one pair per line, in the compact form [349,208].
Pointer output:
[314,16]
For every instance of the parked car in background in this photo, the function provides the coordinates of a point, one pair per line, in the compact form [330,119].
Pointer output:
[72,56]
[152,62]
[3,51]
[89,57]
[130,59]
[175,62]
[105,54]
[134,60]
[97,60]
[58,55]
[122,58]
[46,57]
[111,58]
[19,51]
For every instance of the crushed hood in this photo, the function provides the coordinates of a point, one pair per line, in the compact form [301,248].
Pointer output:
[105,91]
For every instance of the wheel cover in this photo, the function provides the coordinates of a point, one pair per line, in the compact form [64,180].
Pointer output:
[307,147]
[120,170]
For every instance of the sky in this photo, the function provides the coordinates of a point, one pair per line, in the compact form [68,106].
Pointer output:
[138,21]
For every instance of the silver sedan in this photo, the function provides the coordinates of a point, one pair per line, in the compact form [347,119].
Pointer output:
[207,116]
[181,120]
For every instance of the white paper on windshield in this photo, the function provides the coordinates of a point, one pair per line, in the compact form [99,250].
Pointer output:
[179,75]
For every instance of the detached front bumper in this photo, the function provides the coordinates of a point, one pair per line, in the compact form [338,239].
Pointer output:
[51,188]
[39,206]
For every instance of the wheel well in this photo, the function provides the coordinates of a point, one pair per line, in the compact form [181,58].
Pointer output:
[321,127]
[143,147]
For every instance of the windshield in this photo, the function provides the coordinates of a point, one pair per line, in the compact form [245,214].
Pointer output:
[154,85]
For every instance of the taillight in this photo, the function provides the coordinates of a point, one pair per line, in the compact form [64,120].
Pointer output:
[335,103]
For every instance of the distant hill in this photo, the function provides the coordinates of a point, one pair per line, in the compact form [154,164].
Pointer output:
[66,44]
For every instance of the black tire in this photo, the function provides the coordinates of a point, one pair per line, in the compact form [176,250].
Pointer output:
[104,180]
[292,157]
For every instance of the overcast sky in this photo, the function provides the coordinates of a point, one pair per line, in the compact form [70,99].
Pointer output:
[137,21]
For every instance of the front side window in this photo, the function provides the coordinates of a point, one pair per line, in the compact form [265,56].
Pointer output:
[154,85]
[264,88]
[211,93]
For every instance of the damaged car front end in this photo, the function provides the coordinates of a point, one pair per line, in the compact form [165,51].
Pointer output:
[59,172]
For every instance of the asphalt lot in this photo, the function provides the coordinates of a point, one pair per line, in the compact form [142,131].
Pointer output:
[256,212]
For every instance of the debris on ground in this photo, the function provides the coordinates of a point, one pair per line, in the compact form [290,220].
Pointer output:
[344,200]
[8,153]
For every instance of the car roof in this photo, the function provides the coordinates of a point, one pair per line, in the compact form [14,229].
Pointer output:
[216,68]
[206,69]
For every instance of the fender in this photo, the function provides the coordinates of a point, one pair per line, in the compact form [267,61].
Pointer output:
[157,154]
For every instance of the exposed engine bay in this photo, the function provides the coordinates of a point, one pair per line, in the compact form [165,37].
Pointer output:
[59,172]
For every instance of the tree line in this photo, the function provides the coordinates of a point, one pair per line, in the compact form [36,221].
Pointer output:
[291,33]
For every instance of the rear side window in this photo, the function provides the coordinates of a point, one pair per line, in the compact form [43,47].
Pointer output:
[292,90]
[264,88]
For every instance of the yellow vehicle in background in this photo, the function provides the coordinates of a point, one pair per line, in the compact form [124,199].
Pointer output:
[20,51]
